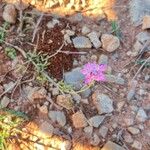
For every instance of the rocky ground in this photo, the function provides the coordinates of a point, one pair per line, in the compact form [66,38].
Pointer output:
[110,115]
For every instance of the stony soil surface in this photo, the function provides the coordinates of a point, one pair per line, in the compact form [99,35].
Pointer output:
[111,115]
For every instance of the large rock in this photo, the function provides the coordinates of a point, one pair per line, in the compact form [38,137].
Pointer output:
[103,103]
[93,36]
[138,9]
[82,42]
[57,116]
[112,146]
[74,78]
[79,120]
[110,42]
[10,13]
[95,121]
[65,101]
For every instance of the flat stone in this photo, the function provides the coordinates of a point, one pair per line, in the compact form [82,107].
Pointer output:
[143,37]
[138,9]
[74,78]
[103,131]
[21,5]
[129,121]
[34,93]
[77,17]
[115,79]
[95,121]
[82,42]
[110,42]
[79,120]
[76,97]
[112,146]
[1,89]
[47,128]
[51,24]
[43,109]
[85,30]
[137,145]
[4,102]
[103,59]
[95,140]
[128,138]
[65,101]
[10,14]
[55,91]
[8,87]
[86,93]
[103,103]
[57,116]
[146,22]
[120,105]
[93,36]
[130,94]
[141,115]
[66,145]
[133,130]
[88,130]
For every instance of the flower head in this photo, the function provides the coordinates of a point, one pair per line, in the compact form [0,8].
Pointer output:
[93,72]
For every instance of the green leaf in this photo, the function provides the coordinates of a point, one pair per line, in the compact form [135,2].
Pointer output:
[10,52]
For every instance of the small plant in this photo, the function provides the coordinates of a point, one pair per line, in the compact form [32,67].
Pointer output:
[41,78]
[65,87]
[116,29]
[10,52]
[92,72]
[142,61]
[41,61]
[3,29]
[9,121]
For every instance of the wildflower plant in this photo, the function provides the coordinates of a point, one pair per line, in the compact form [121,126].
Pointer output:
[93,72]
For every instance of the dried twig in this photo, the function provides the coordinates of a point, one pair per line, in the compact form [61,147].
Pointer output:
[17,48]
[36,27]
[140,68]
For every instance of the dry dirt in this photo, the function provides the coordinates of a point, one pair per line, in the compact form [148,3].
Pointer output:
[49,44]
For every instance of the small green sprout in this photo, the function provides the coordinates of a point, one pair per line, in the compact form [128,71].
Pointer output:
[142,61]
[41,61]
[65,87]
[10,52]
[116,29]
[41,78]
[3,29]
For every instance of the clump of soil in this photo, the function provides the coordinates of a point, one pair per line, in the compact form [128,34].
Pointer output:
[51,41]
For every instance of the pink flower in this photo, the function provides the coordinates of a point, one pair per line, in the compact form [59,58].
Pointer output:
[93,72]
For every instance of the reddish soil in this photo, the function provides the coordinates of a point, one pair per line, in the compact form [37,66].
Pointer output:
[53,40]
